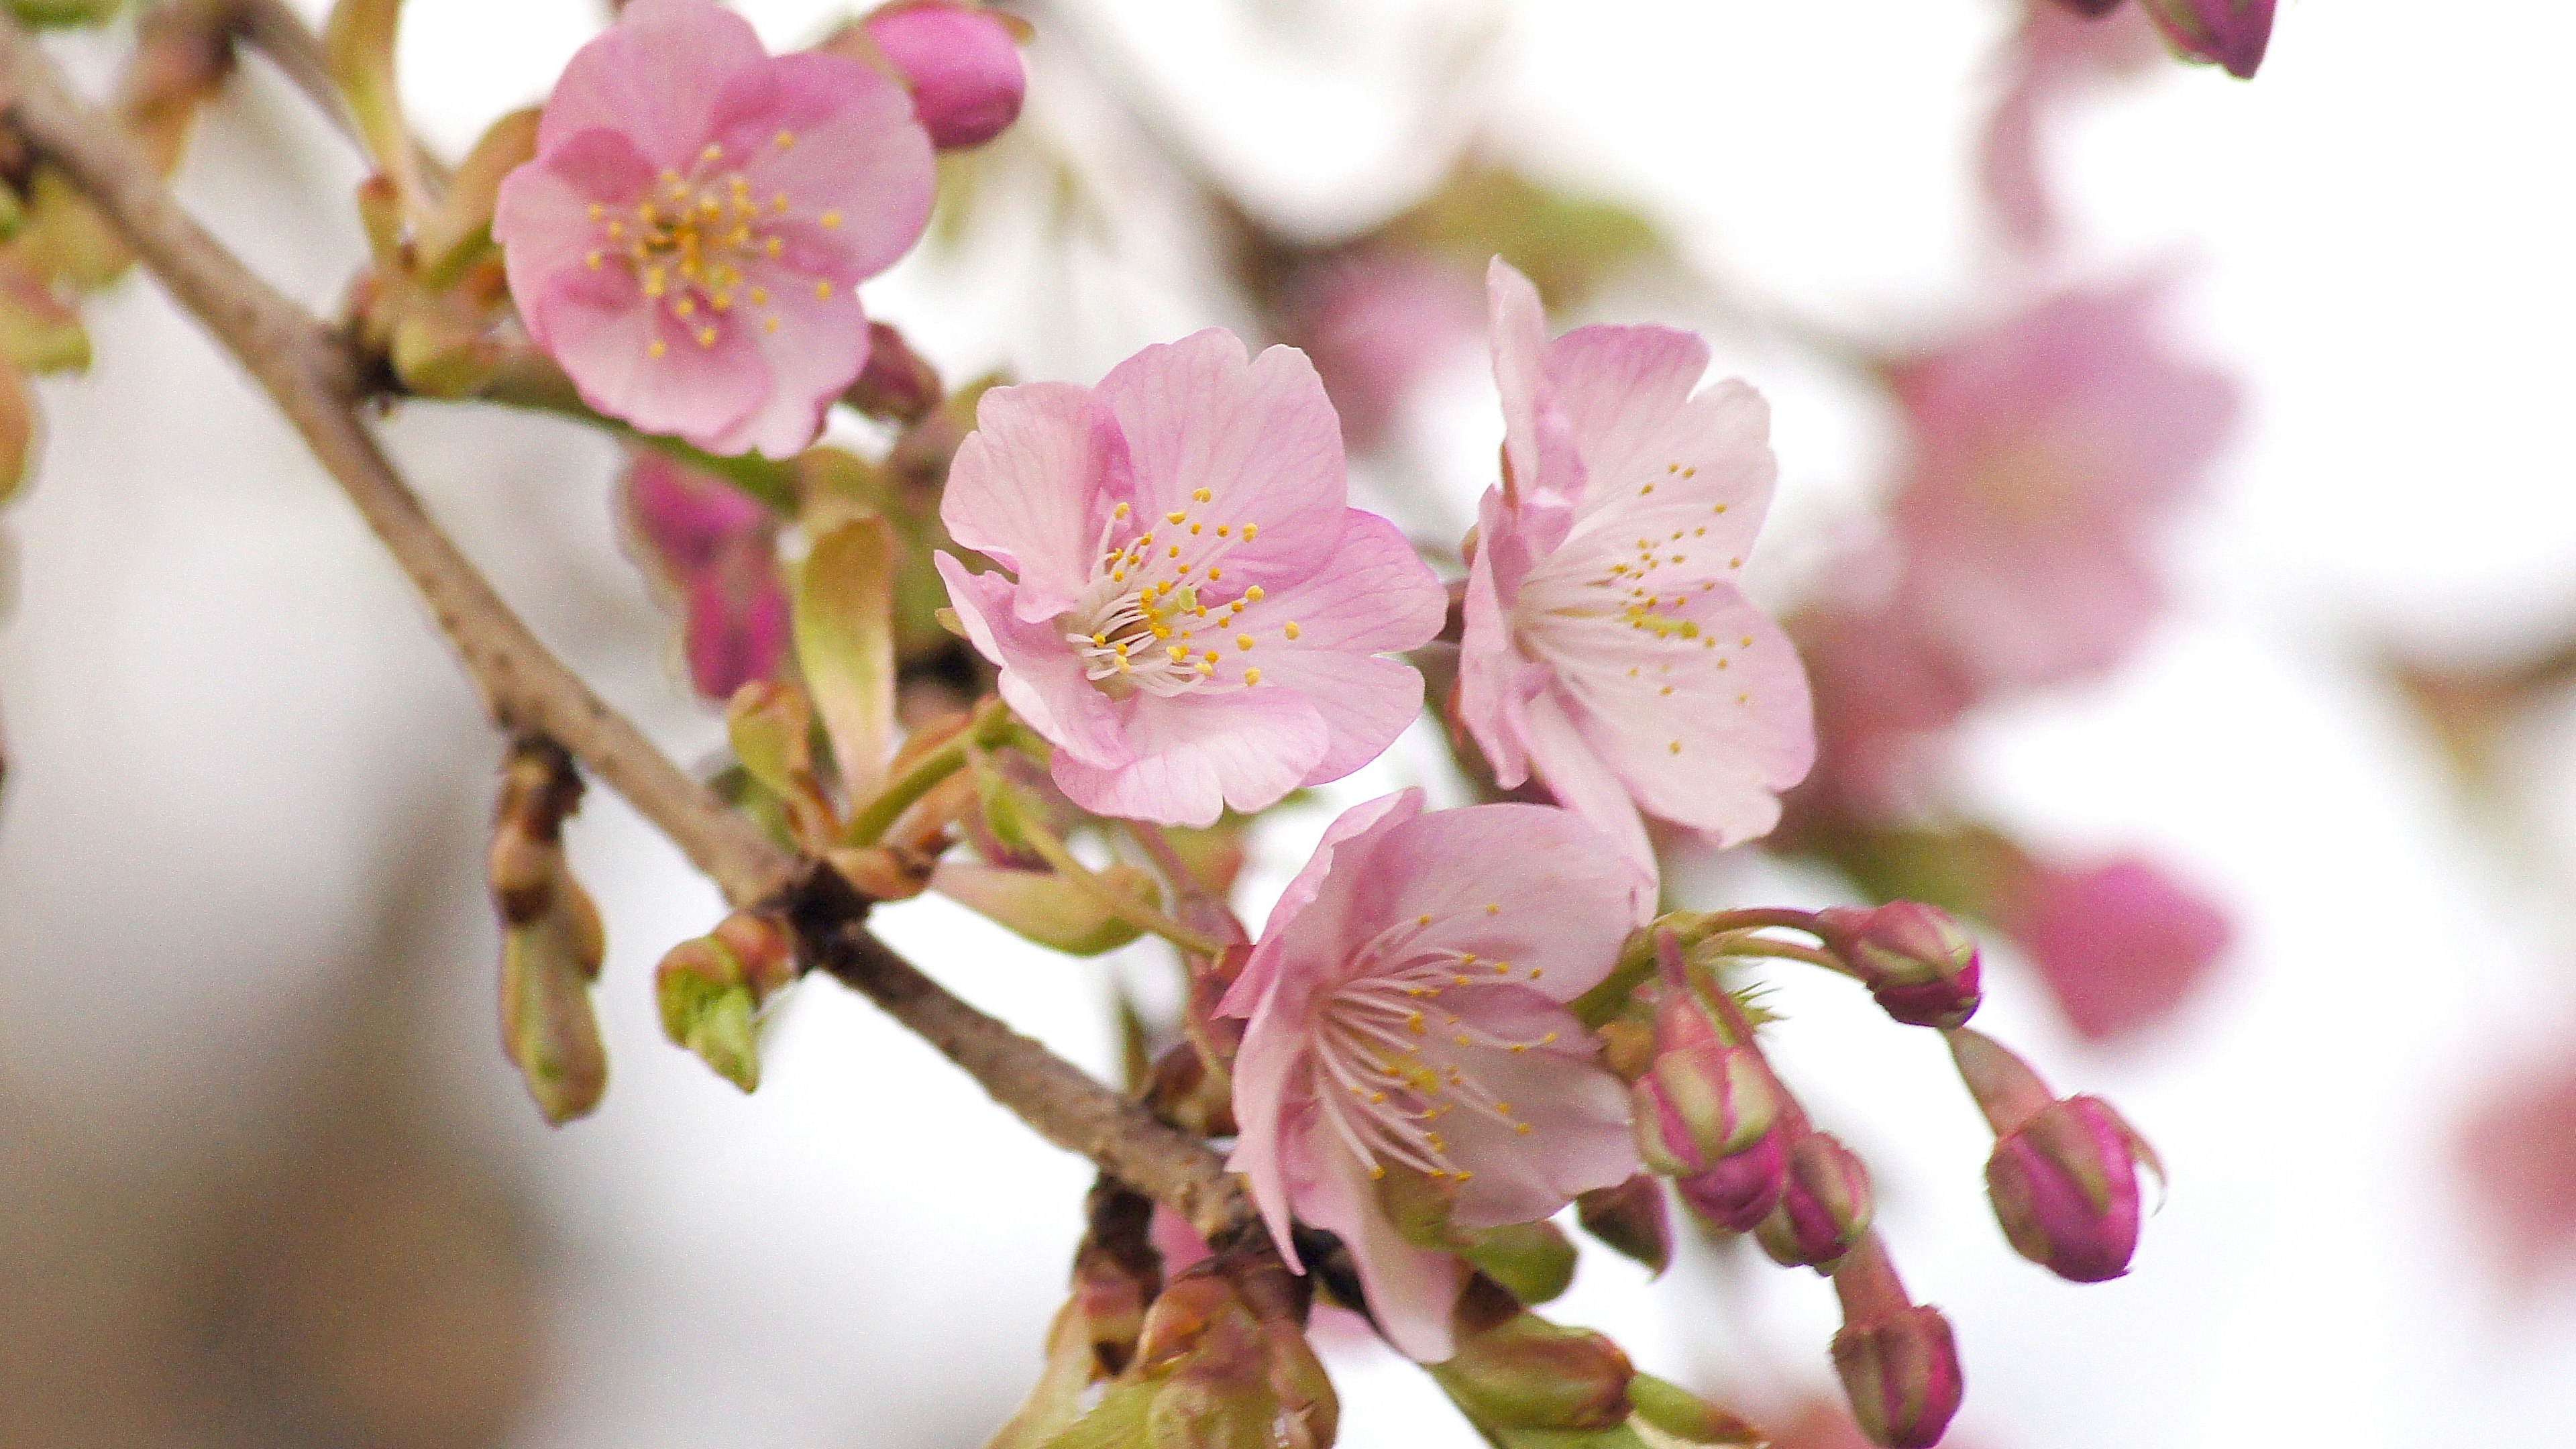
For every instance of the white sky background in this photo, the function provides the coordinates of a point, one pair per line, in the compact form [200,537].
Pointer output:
[213,681]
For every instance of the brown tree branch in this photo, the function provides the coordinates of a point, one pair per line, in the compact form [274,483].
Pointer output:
[317,380]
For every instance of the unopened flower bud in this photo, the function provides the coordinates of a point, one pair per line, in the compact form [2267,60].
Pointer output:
[2231,33]
[1044,907]
[1824,1205]
[1534,1261]
[1707,1096]
[2091,9]
[1740,1191]
[1920,965]
[1219,1375]
[1519,1371]
[896,385]
[961,62]
[1632,1218]
[1901,1373]
[711,991]
[2065,1188]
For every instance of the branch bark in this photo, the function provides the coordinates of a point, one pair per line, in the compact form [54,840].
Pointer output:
[317,380]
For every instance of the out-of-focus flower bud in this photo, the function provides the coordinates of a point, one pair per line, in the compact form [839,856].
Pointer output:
[2065,1188]
[38,331]
[62,14]
[2091,8]
[961,63]
[2230,33]
[1222,1375]
[2122,945]
[1824,1205]
[896,385]
[711,991]
[1533,1261]
[1680,1414]
[1045,907]
[552,945]
[1921,965]
[1632,1218]
[1740,1191]
[1898,1362]
[18,418]
[1516,1370]
[771,726]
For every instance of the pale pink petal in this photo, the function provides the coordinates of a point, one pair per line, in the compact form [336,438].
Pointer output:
[1696,483]
[1704,730]
[541,215]
[1025,486]
[655,76]
[1373,596]
[1492,696]
[1412,1290]
[1192,756]
[1360,823]
[856,153]
[598,325]
[1574,772]
[1539,457]
[1259,437]
[1041,680]
[1267,1070]
[1618,388]
[1577,1113]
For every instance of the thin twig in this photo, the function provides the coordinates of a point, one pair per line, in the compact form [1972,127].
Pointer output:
[316,378]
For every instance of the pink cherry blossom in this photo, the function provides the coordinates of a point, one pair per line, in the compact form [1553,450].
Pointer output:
[689,239]
[2519,1157]
[1193,612]
[2055,58]
[716,552]
[2047,452]
[2121,945]
[1377,324]
[1405,1017]
[1608,649]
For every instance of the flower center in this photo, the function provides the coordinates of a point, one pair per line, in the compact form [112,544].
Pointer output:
[1392,1059]
[1157,616]
[692,240]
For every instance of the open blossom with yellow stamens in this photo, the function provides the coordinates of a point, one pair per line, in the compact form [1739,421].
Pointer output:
[1407,1030]
[688,241]
[1197,613]
[1608,649]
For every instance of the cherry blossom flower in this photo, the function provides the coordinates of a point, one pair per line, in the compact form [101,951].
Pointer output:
[716,552]
[1608,649]
[2047,451]
[1194,611]
[688,241]
[1377,324]
[1406,1034]
[2518,1155]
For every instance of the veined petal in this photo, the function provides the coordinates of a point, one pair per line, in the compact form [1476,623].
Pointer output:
[1697,479]
[856,153]
[655,76]
[1040,680]
[1584,782]
[1539,457]
[1026,486]
[1192,756]
[1412,1290]
[1360,823]
[1258,437]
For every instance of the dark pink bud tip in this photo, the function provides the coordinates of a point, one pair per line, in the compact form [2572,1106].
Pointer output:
[2231,33]
[2065,1189]
[1740,1191]
[1824,1206]
[2090,9]
[1920,965]
[1901,1372]
[962,64]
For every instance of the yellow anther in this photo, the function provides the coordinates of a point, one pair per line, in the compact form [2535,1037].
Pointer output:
[1292,631]
[1200,495]
[823,290]
[655,282]
[1252,676]
[656,348]
[786,139]
[686,306]
[1251,531]
[1253,593]
[1376,1171]
[768,324]
[1196,528]
[706,337]
[1118,512]
[1243,641]
[1176,515]
[773,246]
[1422,920]
[593,260]
[1493,908]
[1222,529]
[830,219]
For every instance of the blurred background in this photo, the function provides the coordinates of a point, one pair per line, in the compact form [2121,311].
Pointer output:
[266,1179]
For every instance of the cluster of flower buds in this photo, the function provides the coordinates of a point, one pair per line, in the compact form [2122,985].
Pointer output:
[552,945]
[2229,33]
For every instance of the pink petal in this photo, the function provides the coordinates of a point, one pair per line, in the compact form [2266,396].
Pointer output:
[1194,755]
[857,152]
[1359,823]
[1026,487]
[1581,780]
[655,77]
[1041,679]
[1619,388]
[1580,1136]
[1412,1290]
[1259,437]
[541,215]
[1493,693]
[1703,731]
[1539,457]
[600,327]
[1703,471]
[1266,1071]
[1373,596]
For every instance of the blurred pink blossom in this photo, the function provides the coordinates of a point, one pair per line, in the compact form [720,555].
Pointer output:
[2519,1158]
[2230,33]
[1197,613]
[2047,452]
[1405,1017]
[2054,59]
[1607,647]
[716,551]
[688,242]
[1377,324]
[2121,945]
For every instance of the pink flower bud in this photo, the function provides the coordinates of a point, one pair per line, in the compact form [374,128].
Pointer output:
[1704,1098]
[962,64]
[1824,1205]
[896,385]
[1739,1192]
[1901,1373]
[737,625]
[2232,33]
[1918,963]
[2091,8]
[2065,1188]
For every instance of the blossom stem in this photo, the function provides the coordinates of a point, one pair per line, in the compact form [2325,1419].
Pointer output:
[530,380]
[1752,946]
[870,821]
[1052,849]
